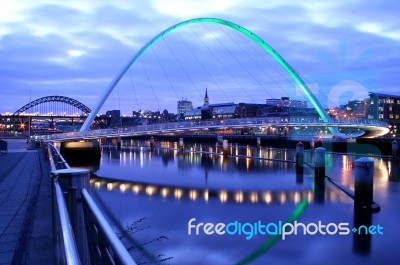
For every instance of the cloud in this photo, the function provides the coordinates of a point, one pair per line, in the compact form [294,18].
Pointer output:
[189,9]
[71,46]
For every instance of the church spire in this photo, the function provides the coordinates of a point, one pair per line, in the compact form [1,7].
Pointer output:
[206,101]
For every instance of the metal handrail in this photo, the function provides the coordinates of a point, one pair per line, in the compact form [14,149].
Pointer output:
[252,122]
[118,248]
[51,158]
[120,252]
[70,251]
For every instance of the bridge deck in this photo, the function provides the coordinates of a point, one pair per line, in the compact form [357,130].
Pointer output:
[25,207]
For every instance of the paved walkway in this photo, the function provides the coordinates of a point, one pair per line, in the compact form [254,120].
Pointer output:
[25,206]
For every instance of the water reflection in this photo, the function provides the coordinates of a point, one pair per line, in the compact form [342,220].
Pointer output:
[362,240]
[224,196]
[393,169]
[200,182]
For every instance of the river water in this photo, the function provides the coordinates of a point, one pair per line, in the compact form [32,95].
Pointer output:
[161,195]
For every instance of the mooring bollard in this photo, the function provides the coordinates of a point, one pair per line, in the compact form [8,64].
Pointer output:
[299,162]
[73,180]
[319,174]
[181,145]
[312,145]
[152,142]
[319,163]
[364,185]
[225,147]
[395,147]
[119,143]
[258,142]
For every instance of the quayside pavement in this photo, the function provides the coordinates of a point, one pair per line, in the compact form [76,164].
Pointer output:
[25,206]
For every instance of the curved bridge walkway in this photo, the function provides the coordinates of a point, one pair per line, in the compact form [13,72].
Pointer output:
[370,126]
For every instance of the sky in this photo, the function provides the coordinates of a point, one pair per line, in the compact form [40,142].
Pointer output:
[342,49]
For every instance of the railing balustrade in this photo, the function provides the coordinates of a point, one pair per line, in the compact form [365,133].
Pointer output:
[91,241]
[245,122]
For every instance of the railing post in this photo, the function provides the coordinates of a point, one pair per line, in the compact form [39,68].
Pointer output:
[73,181]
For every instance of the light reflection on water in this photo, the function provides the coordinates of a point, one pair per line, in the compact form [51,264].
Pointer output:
[170,187]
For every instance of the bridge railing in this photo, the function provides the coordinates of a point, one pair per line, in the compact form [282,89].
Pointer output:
[82,234]
[66,251]
[245,122]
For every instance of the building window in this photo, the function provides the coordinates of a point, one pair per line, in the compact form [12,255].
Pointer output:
[390,108]
[390,116]
[380,116]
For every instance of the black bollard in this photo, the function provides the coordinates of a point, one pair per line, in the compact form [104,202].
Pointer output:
[299,162]
[225,147]
[319,175]
[152,142]
[312,145]
[395,147]
[181,145]
[319,163]
[364,185]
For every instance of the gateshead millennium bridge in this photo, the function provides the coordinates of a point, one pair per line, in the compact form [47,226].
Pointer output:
[357,128]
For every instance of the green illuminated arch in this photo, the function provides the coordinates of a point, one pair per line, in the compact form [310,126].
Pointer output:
[232,25]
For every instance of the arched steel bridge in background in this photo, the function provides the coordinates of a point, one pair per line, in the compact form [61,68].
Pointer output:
[62,99]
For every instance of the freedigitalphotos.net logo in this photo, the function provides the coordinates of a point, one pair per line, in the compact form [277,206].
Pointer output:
[249,230]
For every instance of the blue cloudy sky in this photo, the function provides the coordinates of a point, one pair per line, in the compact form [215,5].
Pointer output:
[342,49]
